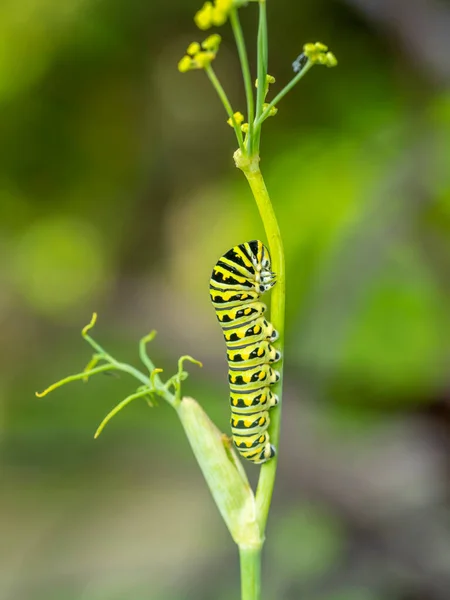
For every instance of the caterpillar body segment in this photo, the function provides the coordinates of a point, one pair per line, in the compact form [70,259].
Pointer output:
[250,424]
[238,315]
[253,331]
[251,379]
[258,353]
[251,442]
[249,402]
[258,457]
[223,298]
[238,279]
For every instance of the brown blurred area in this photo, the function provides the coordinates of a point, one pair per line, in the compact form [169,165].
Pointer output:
[118,193]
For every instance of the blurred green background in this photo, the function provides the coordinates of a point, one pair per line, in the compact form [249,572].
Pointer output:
[118,193]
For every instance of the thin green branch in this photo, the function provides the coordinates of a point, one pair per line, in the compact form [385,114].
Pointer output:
[262,58]
[140,394]
[262,71]
[116,364]
[120,366]
[126,368]
[84,375]
[283,93]
[226,103]
[143,350]
[248,83]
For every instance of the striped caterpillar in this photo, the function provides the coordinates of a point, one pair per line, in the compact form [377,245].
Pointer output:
[237,281]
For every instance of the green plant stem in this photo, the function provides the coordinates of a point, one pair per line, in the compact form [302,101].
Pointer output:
[251,170]
[248,84]
[224,98]
[250,560]
[283,93]
[262,71]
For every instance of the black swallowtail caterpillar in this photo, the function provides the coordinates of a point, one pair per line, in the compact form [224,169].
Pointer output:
[237,281]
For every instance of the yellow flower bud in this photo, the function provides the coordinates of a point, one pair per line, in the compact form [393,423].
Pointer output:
[318,54]
[320,59]
[193,48]
[238,117]
[203,18]
[203,59]
[269,80]
[218,17]
[331,59]
[212,42]
[321,47]
[309,48]
[224,5]
[185,64]
[272,112]
[244,127]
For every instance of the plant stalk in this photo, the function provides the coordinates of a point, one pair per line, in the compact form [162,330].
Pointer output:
[263,54]
[282,94]
[250,561]
[226,103]
[251,170]
[248,84]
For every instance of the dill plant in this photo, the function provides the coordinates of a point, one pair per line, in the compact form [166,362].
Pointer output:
[244,511]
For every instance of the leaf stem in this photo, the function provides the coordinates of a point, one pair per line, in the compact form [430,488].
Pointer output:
[248,83]
[140,394]
[78,376]
[250,561]
[251,170]
[262,71]
[283,93]
[226,103]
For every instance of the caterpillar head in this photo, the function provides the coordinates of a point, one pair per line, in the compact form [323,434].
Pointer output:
[264,277]
[267,277]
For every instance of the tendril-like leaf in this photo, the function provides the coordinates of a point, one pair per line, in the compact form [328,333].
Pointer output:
[90,325]
[143,351]
[83,376]
[141,393]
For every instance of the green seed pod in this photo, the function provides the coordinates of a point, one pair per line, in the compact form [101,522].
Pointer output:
[223,473]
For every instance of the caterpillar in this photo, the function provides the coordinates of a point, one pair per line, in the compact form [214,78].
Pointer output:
[238,279]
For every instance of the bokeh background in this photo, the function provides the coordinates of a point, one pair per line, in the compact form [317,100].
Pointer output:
[118,193]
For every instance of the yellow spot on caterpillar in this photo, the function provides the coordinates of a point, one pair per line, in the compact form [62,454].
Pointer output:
[227,295]
[248,401]
[248,423]
[261,351]
[248,444]
[262,375]
[235,402]
[261,421]
[244,296]
[240,334]
[261,439]
[257,329]
[247,311]
[233,379]
[247,378]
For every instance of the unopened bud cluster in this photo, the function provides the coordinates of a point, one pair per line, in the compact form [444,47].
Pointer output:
[317,54]
[216,13]
[200,56]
